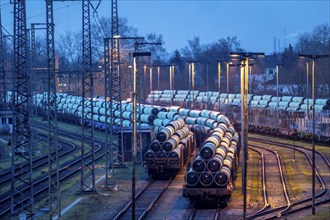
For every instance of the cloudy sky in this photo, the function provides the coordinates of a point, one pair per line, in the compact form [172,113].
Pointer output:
[255,23]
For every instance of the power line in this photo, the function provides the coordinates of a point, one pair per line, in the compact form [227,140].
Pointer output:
[38,15]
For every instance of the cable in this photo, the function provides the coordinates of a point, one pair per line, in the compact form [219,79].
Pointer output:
[97,19]
[38,15]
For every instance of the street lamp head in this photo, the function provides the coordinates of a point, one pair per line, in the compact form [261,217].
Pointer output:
[192,61]
[314,56]
[243,55]
[259,55]
[235,56]
[234,65]
[304,56]
[142,54]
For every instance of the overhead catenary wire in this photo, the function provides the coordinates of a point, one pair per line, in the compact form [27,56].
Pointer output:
[97,19]
[41,14]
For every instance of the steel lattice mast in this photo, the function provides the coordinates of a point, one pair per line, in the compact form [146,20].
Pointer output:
[108,124]
[115,85]
[2,69]
[21,146]
[138,107]
[112,88]
[87,139]
[53,159]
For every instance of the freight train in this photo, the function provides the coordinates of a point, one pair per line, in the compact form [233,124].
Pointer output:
[180,134]
[211,172]
[286,116]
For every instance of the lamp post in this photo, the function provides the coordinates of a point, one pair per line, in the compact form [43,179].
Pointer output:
[141,54]
[219,80]
[150,79]
[277,101]
[244,59]
[158,77]
[171,81]
[189,75]
[150,85]
[191,65]
[250,73]
[144,83]
[307,87]
[207,85]
[172,67]
[314,58]
[219,77]
[227,70]
[192,83]
[171,77]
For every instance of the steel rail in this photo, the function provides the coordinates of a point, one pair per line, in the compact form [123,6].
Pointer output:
[129,204]
[63,176]
[291,146]
[138,195]
[280,208]
[8,170]
[153,202]
[264,191]
[320,179]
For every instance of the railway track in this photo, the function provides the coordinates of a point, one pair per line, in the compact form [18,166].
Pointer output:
[64,149]
[5,175]
[291,146]
[214,214]
[172,205]
[322,169]
[277,196]
[263,179]
[146,198]
[40,184]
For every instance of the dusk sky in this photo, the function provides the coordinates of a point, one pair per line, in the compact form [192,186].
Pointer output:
[254,23]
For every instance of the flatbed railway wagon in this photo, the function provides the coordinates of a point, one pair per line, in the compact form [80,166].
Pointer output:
[210,178]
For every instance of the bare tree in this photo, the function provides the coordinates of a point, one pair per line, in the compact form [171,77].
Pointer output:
[318,42]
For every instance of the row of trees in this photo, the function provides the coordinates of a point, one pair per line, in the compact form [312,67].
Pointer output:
[293,72]
[294,67]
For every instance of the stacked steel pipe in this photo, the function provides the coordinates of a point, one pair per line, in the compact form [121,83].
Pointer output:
[70,106]
[214,165]
[172,144]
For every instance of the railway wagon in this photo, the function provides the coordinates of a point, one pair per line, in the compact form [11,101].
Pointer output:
[287,116]
[210,178]
[171,148]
